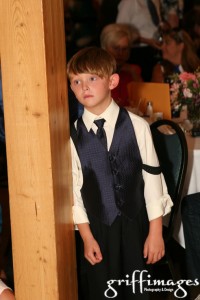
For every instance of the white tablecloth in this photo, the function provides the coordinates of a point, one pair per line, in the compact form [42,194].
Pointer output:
[192,181]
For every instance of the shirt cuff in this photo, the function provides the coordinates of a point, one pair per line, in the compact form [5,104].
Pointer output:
[79,215]
[154,210]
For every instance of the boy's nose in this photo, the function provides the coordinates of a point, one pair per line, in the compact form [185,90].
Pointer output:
[85,86]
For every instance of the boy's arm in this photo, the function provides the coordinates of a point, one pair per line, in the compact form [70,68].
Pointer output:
[92,250]
[154,248]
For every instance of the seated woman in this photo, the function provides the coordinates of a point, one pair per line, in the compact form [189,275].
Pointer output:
[178,55]
[117,40]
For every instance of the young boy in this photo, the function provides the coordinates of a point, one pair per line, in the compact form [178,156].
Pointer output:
[119,194]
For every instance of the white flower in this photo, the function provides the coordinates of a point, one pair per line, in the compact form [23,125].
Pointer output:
[187,93]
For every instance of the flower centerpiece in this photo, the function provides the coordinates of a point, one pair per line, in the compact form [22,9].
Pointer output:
[185,90]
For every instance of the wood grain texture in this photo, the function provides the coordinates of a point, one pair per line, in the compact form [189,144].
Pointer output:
[32,48]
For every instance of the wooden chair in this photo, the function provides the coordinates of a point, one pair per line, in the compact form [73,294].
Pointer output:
[172,153]
[158,93]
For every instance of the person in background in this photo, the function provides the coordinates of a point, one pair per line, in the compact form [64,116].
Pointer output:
[172,12]
[117,39]
[137,14]
[5,292]
[120,195]
[178,55]
[149,17]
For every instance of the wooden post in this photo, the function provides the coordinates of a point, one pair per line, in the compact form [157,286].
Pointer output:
[32,48]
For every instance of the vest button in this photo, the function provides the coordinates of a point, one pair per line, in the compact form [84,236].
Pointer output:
[112,157]
[120,202]
[115,172]
[118,187]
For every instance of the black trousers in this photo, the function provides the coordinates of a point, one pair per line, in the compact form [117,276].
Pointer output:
[121,245]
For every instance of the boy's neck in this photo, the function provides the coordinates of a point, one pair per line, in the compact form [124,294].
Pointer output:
[99,109]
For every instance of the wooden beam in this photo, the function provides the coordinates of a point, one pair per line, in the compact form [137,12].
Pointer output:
[32,48]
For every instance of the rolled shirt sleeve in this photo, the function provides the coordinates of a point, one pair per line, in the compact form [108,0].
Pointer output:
[78,209]
[158,201]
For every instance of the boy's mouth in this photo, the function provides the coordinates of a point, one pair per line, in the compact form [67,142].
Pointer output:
[87,96]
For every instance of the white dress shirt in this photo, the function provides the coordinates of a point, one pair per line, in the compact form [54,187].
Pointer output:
[158,202]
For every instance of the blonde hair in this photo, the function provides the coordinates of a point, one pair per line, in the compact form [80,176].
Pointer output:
[92,60]
[113,32]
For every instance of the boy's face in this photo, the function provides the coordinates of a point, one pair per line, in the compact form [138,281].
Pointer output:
[93,91]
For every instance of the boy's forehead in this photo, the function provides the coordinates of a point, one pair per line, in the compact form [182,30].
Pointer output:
[73,75]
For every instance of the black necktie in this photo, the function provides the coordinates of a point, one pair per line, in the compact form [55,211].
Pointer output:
[153,12]
[101,134]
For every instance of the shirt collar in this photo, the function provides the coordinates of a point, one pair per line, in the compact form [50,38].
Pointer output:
[110,115]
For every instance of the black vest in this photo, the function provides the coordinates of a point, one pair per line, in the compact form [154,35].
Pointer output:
[112,180]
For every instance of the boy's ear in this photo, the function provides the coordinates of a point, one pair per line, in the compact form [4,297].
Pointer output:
[114,81]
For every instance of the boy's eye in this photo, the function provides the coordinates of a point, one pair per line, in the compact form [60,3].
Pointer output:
[93,78]
[76,82]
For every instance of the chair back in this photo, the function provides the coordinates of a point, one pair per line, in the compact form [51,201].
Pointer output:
[171,148]
[158,93]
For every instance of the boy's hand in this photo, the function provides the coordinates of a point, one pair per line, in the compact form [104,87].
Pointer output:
[92,251]
[154,248]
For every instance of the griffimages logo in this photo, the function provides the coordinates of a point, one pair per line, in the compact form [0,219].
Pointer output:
[141,282]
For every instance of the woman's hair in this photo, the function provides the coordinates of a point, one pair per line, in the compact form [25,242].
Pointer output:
[92,60]
[113,32]
[190,61]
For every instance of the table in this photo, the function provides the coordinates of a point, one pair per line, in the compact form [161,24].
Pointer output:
[192,181]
